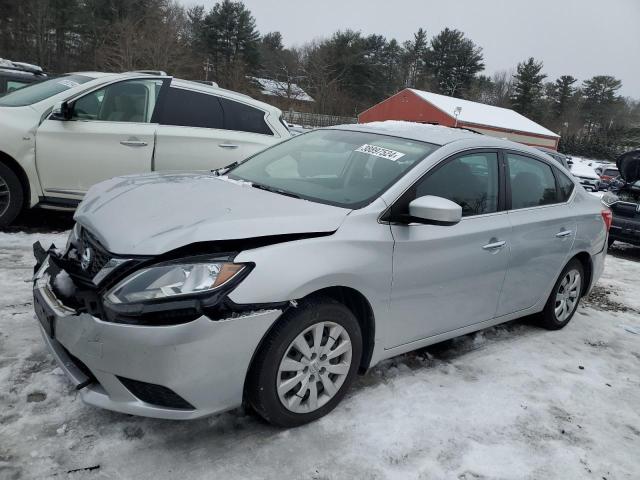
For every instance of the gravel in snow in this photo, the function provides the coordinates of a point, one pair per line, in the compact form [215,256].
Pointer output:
[510,402]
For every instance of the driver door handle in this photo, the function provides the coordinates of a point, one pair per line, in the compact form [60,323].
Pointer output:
[228,145]
[564,233]
[133,143]
[494,245]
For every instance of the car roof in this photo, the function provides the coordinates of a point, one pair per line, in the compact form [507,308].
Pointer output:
[435,134]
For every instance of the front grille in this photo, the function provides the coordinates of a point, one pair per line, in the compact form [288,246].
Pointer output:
[100,256]
[624,209]
[156,394]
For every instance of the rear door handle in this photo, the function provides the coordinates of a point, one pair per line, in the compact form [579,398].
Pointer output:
[564,233]
[494,245]
[133,143]
[228,145]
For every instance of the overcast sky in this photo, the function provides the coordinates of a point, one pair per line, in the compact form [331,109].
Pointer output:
[582,38]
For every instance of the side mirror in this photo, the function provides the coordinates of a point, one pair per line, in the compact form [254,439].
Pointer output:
[61,111]
[435,210]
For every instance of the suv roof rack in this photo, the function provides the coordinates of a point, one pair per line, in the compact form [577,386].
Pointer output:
[20,67]
[150,72]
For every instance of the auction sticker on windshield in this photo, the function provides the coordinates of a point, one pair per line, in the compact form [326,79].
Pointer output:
[68,83]
[380,152]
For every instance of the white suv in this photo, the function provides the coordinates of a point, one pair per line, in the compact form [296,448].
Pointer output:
[61,136]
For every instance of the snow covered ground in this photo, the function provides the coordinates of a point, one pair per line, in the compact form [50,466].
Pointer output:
[512,402]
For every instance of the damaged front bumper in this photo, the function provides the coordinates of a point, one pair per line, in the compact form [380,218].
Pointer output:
[180,371]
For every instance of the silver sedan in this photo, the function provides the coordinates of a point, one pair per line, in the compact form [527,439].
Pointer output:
[274,282]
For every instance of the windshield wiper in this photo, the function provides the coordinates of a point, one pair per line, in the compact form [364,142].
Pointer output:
[274,190]
[222,170]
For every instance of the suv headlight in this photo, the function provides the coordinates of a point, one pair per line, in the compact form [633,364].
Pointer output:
[609,199]
[173,280]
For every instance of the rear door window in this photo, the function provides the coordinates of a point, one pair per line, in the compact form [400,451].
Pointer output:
[243,118]
[565,186]
[187,108]
[532,182]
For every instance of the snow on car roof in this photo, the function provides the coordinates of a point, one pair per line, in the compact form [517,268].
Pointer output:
[436,134]
[482,114]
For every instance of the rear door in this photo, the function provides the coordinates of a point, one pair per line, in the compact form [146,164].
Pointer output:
[203,131]
[111,132]
[543,230]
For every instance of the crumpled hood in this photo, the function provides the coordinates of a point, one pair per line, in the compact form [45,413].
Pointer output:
[629,166]
[156,213]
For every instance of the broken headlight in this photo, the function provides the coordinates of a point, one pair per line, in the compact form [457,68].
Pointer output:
[170,280]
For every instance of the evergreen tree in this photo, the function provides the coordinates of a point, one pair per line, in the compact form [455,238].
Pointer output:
[562,95]
[453,61]
[527,88]
[414,58]
[231,39]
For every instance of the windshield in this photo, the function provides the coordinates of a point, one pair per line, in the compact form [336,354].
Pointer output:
[337,167]
[39,91]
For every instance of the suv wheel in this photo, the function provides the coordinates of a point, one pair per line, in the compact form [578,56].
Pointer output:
[565,296]
[11,195]
[306,364]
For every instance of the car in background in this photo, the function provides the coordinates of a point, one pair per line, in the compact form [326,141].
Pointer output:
[15,75]
[91,126]
[624,200]
[607,174]
[587,176]
[561,158]
[276,281]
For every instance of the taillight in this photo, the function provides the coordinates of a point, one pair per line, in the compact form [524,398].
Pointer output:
[607,216]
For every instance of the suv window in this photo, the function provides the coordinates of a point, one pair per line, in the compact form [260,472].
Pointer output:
[532,182]
[128,101]
[471,181]
[565,186]
[187,108]
[243,118]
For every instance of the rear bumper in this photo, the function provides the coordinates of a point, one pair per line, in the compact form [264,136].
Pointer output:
[625,229]
[202,362]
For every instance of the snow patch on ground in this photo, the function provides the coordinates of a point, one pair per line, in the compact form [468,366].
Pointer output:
[510,402]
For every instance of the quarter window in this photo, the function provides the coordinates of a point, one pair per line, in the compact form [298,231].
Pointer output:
[129,101]
[243,118]
[532,182]
[471,181]
[187,108]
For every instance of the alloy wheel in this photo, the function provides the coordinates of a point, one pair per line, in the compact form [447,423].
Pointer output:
[5,196]
[314,367]
[568,295]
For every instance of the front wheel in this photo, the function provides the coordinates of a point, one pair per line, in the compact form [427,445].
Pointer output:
[306,364]
[11,195]
[563,300]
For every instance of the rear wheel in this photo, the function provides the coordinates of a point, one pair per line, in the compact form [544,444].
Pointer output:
[11,195]
[565,296]
[306,364]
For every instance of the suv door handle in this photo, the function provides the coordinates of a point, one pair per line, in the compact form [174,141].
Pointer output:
[494,245]
[564,233]
[133,143]
[228,145]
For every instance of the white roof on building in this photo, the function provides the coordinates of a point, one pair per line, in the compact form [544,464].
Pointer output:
[482,114]
[282,89]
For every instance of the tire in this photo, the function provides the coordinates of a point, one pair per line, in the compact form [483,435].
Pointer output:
[565,294]
[11,195]
[280,363]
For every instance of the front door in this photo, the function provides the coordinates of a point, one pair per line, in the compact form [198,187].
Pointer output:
[449,277]
[110,133]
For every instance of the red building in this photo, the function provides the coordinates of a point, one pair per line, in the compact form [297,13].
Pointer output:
[426,107]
